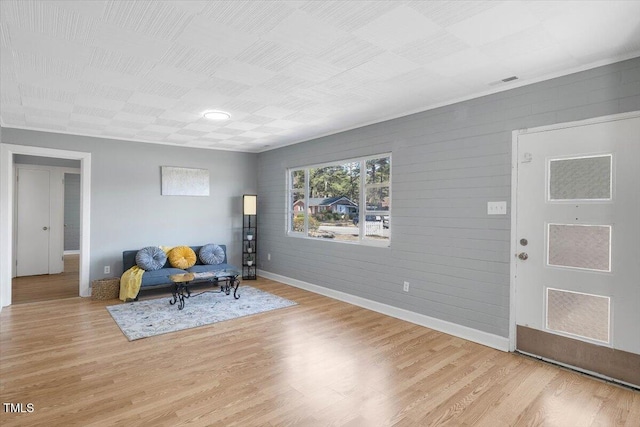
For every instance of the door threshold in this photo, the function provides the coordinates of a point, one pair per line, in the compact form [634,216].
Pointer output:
[582,371]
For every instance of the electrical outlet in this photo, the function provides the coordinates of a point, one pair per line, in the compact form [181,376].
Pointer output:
[268,257]
[406,286]
[107,269]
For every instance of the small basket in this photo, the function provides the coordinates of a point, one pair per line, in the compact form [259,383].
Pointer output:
[105,289]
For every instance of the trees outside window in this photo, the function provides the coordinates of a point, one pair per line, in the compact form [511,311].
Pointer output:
[338,201]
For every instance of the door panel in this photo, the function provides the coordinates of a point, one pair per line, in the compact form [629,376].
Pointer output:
[578,207]
[33,223]
[580,178]
[578,314]
[587,247]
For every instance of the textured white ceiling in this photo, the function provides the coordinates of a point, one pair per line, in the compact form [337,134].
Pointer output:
[286,71]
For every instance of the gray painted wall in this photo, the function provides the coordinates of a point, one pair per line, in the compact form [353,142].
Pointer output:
[45,161]
[127,210]
[71,212]
[447,164]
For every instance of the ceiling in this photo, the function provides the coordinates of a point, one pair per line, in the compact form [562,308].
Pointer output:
[286,71]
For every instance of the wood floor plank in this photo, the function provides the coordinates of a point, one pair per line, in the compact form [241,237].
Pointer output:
[319,363]
[48,287]
[518,393]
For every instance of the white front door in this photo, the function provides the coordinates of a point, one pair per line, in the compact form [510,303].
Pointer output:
[578,240]
[33,221]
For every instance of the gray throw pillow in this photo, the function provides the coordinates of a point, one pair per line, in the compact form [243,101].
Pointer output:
[151,258]
[211,254]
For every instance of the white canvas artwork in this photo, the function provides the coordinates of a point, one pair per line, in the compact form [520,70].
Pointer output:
[184,181]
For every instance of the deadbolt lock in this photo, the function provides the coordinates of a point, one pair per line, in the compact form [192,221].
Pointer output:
[524,242]
[523,256]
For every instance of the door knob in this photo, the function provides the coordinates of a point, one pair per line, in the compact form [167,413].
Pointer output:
[523,256]
[45,228]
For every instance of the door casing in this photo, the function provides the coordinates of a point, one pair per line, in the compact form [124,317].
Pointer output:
[7,209]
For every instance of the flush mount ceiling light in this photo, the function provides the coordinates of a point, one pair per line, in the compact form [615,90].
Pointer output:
[217,115]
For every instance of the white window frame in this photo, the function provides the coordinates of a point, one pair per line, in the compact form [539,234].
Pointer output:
[362,239]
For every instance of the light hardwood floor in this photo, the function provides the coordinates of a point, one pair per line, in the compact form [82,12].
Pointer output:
[48,286]
[320,363]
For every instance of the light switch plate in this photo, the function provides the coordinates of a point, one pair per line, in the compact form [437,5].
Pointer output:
[496,208]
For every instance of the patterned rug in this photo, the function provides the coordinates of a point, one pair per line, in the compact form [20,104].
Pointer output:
[147,318]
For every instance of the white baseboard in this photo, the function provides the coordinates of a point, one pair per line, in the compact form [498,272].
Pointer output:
[464,332]
[72,252]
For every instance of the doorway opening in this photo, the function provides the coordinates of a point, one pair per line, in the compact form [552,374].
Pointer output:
[7,215]
[46,229]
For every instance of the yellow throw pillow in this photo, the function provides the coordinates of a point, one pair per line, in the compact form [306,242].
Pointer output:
[182,257]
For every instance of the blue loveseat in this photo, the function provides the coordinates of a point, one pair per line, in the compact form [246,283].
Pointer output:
[158,278]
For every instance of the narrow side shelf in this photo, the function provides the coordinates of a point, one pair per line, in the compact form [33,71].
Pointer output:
[249,243]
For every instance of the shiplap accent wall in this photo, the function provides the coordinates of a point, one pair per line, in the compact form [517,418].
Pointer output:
[447,164]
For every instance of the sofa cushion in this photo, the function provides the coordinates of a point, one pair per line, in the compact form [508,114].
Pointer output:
[211,254]
[151,258]
[182,257]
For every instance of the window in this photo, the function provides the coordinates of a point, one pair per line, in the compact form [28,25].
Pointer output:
[347,201]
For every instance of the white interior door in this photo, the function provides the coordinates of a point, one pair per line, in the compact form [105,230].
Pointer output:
[33,222]
[578,238]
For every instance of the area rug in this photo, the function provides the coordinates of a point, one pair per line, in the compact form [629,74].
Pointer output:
[142,319]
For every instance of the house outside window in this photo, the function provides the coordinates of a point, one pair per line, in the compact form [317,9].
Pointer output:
[337,202]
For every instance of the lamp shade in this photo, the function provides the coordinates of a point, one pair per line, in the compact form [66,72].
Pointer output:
[249,204]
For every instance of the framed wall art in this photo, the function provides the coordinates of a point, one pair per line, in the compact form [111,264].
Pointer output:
[178,181]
